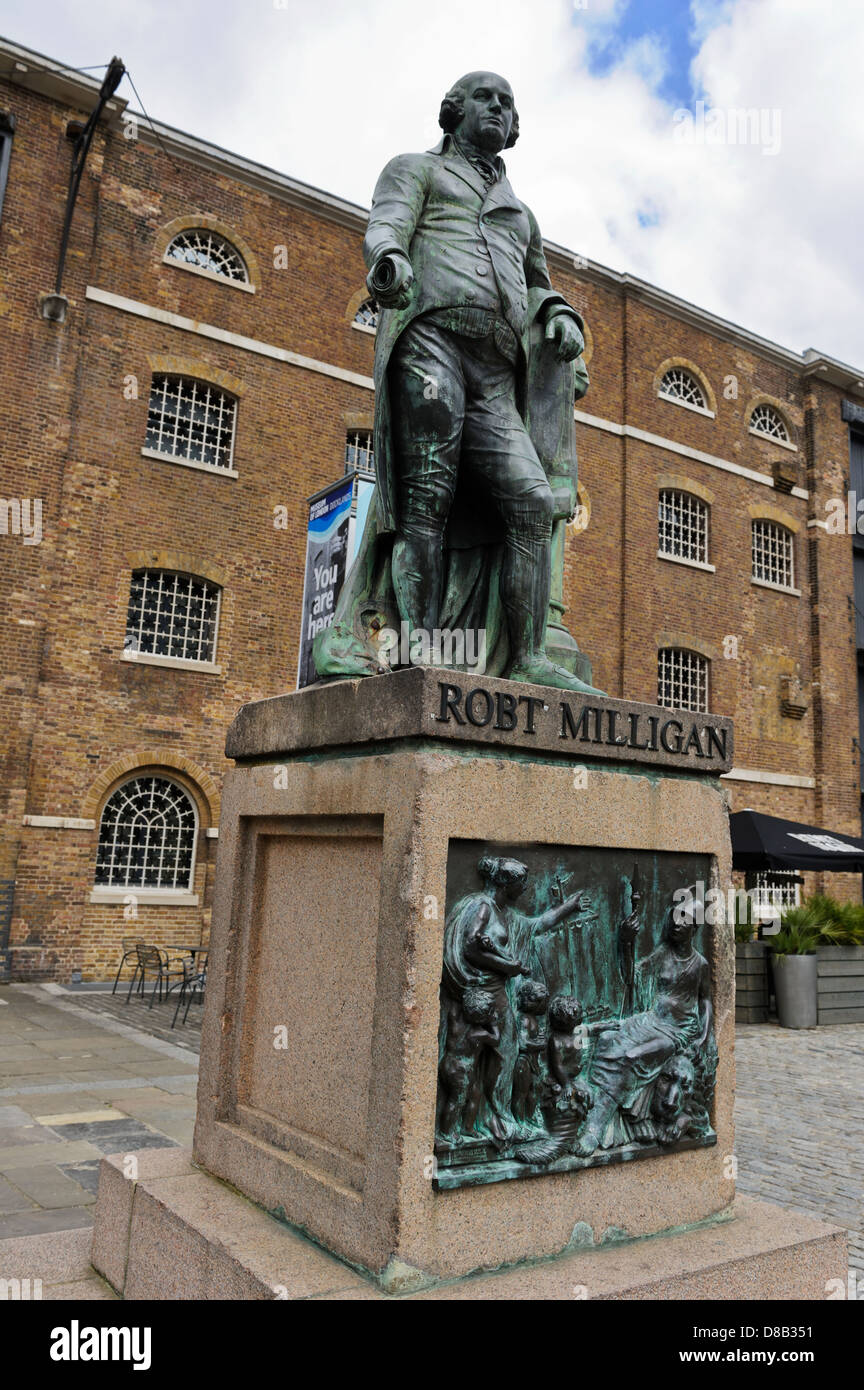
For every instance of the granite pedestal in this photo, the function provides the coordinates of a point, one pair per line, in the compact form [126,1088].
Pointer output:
[319,1062]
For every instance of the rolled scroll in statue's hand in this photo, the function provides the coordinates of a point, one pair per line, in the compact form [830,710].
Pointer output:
[390,279]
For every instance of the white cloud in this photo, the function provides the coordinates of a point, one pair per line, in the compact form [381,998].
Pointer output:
[328,91]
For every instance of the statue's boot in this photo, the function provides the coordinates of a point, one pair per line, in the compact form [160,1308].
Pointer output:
[541,671]
[525,582]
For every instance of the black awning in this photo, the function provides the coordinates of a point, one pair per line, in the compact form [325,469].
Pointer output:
[767,842]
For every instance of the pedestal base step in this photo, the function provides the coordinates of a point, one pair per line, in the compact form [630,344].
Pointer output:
[183,1234]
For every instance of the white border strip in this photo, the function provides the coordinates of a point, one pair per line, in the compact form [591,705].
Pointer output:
[221,335]
[58,823]
[311,364]
[672,447]
[773,779]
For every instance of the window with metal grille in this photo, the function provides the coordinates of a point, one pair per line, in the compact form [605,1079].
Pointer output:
[773,554]
[682,679]
[172,615]
[191,421]
[208,251]
[773,891]
[767,421]
[683,526]
[367,315]
[679,385]
[147,836]
[359,452]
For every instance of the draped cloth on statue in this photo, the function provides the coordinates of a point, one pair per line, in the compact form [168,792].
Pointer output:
[630,1057]
[473,540]
[512,933]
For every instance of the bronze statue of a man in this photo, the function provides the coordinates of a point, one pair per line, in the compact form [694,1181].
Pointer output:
[459,533]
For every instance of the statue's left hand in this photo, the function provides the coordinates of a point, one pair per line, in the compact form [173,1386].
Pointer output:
[564,332]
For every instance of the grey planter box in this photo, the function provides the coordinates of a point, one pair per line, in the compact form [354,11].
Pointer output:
[840,984]
[751,982]
[795,980]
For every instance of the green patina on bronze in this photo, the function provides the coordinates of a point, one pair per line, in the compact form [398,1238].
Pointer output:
[478,362]
[576,1017]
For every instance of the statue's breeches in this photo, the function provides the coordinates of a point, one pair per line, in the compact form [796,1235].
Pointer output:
[454,409]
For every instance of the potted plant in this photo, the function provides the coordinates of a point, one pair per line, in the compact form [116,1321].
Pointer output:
[794,949]
[751,966]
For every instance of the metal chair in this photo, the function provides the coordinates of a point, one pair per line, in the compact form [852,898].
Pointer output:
[191,988]
[154,961]
[129,945]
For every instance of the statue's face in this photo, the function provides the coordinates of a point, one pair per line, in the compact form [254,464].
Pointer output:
[488,115]
[674,1085]
[516,887]
[681,933]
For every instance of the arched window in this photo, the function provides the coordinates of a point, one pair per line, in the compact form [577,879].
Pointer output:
[773,554]
[147,836]
[172,615]
[768,422]
[191,421]
[682,679]
[682,526]
[367,315]
[681,386]
[209,253]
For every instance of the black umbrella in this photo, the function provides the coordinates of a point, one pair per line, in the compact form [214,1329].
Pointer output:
[767,842]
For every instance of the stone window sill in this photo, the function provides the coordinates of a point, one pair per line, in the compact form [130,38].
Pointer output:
[176,663]
[209,274]
[687,405]
[778,588]
[691,564]
[771,439]
[151,897]
[189,463]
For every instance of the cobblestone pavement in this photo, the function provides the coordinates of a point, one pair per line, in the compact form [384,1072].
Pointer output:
[82,1074]
[799,1122]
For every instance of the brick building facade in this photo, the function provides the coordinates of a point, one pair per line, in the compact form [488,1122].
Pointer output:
[88,711]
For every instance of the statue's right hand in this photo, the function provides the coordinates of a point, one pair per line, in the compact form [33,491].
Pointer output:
[390,281]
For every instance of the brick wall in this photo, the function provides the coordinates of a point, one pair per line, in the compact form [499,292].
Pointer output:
[77,717]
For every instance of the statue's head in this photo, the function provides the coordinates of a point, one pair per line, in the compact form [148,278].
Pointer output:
[684,917]
[675,1086]
[565,1013]
[480,108]
[508,874]
[533,997]
[478,1006]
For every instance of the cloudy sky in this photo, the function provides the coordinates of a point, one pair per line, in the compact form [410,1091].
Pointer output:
[631,152]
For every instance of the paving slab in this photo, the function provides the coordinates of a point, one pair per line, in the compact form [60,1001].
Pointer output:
[12,1199]
[12,1116]
[48,1187]
[43,1222]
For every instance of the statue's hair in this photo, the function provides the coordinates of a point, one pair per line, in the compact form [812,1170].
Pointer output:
[501,871]
[477,1004]
[453,109]
[564,1011]
[681,1067]
[532,992]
